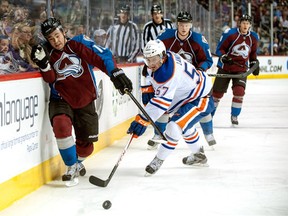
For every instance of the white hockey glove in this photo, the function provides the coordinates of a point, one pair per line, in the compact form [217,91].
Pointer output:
[41,57]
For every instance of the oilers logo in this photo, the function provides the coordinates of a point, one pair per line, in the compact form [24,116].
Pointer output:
[68,65]
[241,50]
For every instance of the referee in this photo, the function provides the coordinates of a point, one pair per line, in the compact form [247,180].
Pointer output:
[123,38]
[157,25]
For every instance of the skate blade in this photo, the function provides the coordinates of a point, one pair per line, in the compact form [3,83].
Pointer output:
[200,165]
[72,183]
[158,141]
[209,148]
[152,147]
[147,174]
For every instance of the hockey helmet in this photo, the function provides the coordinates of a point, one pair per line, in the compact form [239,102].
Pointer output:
[246,17]
[184,16]
[125,9]
[153,48]
[49,25]
[156,9]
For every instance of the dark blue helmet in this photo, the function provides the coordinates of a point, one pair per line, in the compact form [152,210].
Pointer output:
[246,17]
[184,16]
[50,25]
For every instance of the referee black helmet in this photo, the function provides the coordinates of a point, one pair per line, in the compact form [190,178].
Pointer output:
[156,8]
[125,9]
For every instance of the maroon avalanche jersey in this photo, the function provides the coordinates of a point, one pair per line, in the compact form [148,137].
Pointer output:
[194,48]
[71,76]
[241,48]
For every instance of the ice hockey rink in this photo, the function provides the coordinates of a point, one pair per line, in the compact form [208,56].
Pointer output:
[247,173]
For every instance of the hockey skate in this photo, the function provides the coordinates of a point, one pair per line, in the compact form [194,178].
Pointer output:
[81,169]
[71,176]
[210,139]
[154,166]
[198,159]
[234,120]
[153,143]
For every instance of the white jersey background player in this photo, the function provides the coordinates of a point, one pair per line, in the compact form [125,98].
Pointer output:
[181,91]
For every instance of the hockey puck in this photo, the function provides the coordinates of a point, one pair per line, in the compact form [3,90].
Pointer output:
[107,204]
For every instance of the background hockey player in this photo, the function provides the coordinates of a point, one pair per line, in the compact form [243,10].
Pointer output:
[183,92]
[193,47]
[67,67]
[237,45]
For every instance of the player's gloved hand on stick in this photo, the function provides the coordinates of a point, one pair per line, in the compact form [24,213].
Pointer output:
[147,94]
[121,81]
[257,70]
[226,60]
[138,126]
[40,56]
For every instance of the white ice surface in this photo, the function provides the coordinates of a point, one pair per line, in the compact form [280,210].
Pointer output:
[248,172]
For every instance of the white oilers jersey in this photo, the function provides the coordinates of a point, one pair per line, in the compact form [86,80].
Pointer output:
[175,83]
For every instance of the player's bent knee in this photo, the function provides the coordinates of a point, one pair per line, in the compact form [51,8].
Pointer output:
[173,131]
[62,126]
[238,90]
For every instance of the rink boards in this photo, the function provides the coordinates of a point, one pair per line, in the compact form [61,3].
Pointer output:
[28,153]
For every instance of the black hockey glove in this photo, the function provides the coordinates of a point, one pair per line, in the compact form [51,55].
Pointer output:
[226,60]
[40,56]
[121,81]
[144,71]
[257,70]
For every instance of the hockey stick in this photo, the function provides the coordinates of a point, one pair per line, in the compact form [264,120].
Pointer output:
[240,75]
[103,183]
[145,114]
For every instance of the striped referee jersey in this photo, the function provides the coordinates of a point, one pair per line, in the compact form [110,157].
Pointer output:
[124,41]
[151,30]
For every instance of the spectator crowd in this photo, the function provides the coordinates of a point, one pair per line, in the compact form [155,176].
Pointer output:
[20,28]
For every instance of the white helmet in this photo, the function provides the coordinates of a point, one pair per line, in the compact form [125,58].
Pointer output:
[153,48]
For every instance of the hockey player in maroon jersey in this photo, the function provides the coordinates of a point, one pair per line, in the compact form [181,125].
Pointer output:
[237,45]
[67,66]
[193,47]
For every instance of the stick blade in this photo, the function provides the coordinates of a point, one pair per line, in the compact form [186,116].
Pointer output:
[97,181]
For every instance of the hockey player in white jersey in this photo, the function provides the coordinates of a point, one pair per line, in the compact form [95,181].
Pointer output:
[181,91]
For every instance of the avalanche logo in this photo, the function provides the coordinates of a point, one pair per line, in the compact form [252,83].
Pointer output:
[68,65]
[241,50]
[186,55]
